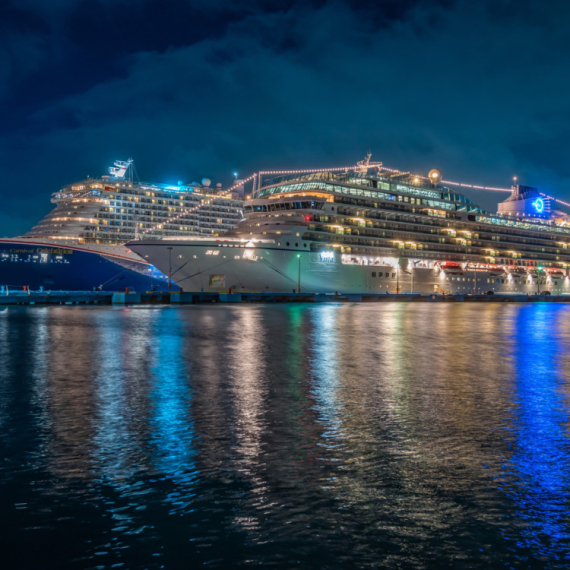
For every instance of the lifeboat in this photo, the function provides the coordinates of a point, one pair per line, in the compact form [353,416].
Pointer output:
[489,268]
[495,270]
[450,267]
[555,273]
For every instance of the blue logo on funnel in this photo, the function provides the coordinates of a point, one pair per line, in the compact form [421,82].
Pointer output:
[538,205]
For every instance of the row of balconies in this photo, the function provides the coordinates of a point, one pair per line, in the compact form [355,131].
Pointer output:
[404,242]
[511,232]
[366,230]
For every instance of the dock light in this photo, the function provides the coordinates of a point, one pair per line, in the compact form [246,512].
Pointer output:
[298,255]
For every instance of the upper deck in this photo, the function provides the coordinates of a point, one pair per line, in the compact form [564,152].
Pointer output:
[113,209]
[380,187]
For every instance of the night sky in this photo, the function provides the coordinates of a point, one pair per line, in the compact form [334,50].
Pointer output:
[200,88]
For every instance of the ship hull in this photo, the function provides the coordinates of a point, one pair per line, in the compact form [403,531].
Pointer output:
[197,268]
[48,265]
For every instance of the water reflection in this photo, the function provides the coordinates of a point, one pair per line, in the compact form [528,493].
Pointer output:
[312,435]
[539,427]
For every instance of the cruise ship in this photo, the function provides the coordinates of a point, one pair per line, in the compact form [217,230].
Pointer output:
[80,244]
[369,229]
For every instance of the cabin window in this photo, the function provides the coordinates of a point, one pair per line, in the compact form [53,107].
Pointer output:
[374,274]
[387,275]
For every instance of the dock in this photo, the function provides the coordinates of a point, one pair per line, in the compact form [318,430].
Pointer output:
[55,297]
[194,298]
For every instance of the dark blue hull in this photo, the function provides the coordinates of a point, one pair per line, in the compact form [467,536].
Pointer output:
[52,267]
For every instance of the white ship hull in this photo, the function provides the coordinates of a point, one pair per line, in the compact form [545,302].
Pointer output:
[224,265]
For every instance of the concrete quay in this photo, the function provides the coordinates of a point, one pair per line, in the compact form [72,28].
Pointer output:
[194,298]
[55,297]
[177,298]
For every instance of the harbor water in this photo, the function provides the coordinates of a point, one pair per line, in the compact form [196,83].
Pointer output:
[285,436]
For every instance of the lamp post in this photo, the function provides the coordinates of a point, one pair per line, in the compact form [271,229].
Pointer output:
[398,277]
[169,268]
[299,277]
[538,280]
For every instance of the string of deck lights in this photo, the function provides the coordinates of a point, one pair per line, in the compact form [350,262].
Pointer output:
[261,173]
[336,169]
[474,186]
[555,199]
[449,182]
[241,183]
[186,212]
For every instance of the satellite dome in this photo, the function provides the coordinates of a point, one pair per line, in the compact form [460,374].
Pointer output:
[219,185]
[180,183]
[434,176]
[206,182]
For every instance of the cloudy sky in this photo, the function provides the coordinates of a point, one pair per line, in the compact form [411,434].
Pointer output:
[194,88]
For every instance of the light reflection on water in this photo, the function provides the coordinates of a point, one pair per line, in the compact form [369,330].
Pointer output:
[327,436]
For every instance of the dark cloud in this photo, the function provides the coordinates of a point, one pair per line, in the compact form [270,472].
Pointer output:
[203,88]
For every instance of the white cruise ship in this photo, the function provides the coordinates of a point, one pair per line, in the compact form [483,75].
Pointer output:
[372,230]
[80,244]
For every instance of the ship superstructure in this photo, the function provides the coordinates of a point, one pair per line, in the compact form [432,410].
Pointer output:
[80,243]
[114,210]
[367,229]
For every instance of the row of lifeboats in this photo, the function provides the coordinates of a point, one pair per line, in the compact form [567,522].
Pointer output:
[455,268]
[494,270]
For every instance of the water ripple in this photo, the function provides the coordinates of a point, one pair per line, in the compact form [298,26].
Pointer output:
[311,436]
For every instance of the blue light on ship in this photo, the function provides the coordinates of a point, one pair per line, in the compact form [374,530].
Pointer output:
[538,205]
